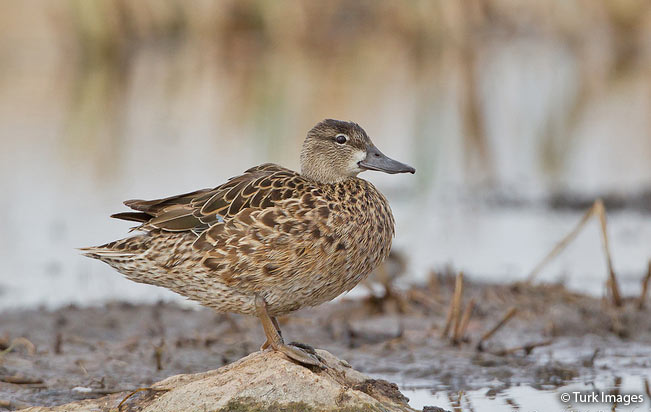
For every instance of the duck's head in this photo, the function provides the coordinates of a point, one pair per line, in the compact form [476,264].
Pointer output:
[335,150]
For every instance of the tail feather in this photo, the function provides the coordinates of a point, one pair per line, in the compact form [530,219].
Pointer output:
[124,248]
[133,216]
[99,252]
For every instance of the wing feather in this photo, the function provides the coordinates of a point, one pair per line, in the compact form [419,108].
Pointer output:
[132,216]
[257,188]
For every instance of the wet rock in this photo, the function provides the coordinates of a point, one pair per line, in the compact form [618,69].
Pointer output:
[262,381]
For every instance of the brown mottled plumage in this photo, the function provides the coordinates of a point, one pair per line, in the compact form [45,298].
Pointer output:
[271,240]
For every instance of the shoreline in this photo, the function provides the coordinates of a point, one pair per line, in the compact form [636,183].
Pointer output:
[555,337]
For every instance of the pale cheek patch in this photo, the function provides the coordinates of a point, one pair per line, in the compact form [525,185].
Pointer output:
[357,157]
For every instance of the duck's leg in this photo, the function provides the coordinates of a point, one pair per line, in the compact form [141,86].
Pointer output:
[309,349]
[276,341]
[265,345]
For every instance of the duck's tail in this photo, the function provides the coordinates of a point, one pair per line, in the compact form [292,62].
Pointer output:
[119,249]
[127,256]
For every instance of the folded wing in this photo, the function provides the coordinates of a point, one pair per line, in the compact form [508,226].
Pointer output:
[258,188]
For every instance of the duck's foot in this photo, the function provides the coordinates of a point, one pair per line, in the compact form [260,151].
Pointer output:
[307,348]
[300,353]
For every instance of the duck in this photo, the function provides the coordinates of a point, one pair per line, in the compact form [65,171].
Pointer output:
[271,240]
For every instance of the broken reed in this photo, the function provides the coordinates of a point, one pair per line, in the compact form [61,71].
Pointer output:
[507,316]
[453,312]
[645,287]
[465,319]
[597,209]
[457,320]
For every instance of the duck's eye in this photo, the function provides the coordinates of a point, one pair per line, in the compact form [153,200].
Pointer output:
[341,138]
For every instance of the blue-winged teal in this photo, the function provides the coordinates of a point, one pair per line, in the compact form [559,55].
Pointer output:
[270,241]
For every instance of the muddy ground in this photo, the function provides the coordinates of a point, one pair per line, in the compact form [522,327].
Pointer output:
[74,353]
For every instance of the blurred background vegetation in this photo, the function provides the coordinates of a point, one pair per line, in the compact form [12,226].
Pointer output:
[515,102]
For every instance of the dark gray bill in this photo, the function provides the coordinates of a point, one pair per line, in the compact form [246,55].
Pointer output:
[376,160]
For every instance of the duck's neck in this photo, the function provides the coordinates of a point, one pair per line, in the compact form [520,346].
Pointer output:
[323,175]
[322,166]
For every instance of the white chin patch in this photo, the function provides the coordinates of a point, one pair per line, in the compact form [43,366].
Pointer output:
[357,157]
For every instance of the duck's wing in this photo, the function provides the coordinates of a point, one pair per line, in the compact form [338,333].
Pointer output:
[258,248]
[257,188]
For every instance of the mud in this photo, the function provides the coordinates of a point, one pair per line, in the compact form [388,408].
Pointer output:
[555,336]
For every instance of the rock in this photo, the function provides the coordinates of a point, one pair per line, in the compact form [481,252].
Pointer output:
[262,381]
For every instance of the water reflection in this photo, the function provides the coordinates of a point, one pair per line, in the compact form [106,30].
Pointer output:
[110,100]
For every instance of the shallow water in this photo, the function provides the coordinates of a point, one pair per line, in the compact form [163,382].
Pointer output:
[173,116]
[618,370]
[528,399]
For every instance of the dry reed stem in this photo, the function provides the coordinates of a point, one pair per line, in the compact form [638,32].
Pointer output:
[645,287]
[424,299]
[21,380]
[457,308]
[597,209]
[616,323]
[562,244]
[465,319]
[433,284]
[509,314]
[600,210]
[130,395]
[593,357]
[13,404]
[454,305]
[158,354]
[31,349]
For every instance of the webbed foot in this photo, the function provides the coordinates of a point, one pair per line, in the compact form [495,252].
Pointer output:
[301,353]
